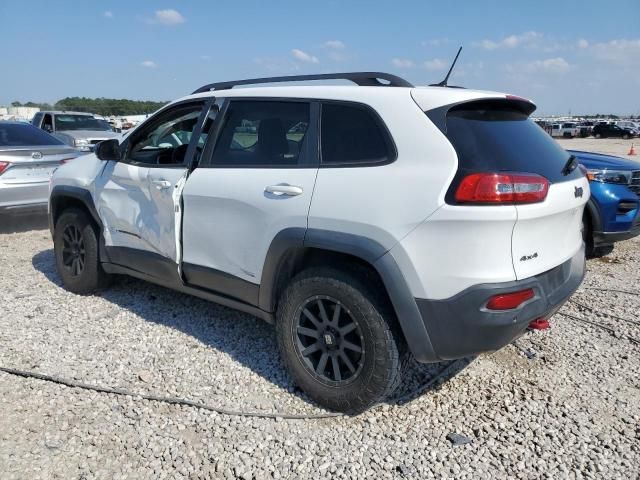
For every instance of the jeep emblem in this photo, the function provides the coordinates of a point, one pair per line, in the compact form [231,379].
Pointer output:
[578,192]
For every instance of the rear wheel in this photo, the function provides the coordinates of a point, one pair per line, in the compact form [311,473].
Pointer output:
[76,249]
[598,135]
[336,340]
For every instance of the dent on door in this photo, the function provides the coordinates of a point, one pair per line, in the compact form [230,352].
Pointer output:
[121,192]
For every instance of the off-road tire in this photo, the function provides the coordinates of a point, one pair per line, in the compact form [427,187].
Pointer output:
[380,370]
[91,276]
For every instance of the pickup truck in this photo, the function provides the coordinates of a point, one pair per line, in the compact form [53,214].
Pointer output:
[76,129]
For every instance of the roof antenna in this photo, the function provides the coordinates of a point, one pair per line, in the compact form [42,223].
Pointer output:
[443,83]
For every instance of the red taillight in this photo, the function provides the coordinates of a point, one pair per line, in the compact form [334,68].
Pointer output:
[65,160]
[3,167]
[502,188]
[509,301]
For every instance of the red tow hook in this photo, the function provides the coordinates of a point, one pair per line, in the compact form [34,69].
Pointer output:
[539,324]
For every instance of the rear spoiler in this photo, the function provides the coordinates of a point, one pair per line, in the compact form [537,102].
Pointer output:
[439,115]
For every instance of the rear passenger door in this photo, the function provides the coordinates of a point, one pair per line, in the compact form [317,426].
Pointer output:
[254,181]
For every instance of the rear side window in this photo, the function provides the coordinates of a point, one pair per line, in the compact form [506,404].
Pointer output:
[353,135]
[262,134]
[24,135]
[496,137]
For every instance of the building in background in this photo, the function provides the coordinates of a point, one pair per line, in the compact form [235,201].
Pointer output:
[18,114]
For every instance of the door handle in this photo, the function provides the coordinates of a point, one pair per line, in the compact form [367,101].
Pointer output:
[289,190]
[161,184]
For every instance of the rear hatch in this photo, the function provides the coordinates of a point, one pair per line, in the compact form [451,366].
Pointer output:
[547,188]
[26,165]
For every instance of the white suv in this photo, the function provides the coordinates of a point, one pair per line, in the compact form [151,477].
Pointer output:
[364,221]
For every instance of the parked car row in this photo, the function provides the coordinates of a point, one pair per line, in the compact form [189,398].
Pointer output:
[625,129]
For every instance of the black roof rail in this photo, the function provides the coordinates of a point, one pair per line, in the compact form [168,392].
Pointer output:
[363,79]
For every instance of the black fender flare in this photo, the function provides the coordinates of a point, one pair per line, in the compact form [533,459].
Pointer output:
[77,193]
[371,252]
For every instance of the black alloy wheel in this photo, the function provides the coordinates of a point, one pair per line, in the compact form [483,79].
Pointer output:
[328,340]
[76,248]
[73,251]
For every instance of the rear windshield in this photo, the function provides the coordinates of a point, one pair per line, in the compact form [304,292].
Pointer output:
[81,122]
[17,135]
[495,137]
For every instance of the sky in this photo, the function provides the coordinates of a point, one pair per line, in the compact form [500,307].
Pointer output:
[565,55]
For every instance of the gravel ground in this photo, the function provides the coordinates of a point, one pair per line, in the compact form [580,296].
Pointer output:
[561,403]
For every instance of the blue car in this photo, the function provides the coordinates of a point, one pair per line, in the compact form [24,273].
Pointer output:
[611,215]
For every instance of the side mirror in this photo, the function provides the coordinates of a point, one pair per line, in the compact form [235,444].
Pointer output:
[108,150]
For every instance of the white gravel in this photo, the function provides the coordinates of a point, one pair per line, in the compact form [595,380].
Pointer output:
[607,146]
[570,411]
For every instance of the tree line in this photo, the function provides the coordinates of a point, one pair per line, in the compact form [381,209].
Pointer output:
[98,106]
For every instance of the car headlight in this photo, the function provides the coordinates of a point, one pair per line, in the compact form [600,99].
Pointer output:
[620,177]
[80,142]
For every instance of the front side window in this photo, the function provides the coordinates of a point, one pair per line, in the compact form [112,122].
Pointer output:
[47,123]
[262,134]
[165,140]
[351,135]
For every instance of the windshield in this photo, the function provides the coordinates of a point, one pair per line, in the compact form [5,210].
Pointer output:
[80,122]
[494,138]
[17,135]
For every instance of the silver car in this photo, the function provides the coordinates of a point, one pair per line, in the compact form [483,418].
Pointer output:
[77,129]
[28,157]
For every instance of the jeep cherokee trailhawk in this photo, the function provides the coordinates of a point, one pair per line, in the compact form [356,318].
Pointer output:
[365,221]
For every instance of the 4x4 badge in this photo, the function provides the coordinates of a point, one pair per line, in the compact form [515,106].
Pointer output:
[578,192]
[524,258]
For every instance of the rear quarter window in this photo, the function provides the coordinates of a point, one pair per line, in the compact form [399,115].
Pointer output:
[353,135]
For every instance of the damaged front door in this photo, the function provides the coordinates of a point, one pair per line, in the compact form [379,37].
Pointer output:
[147,216]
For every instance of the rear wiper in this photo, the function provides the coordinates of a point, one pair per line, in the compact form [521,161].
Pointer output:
[570,166]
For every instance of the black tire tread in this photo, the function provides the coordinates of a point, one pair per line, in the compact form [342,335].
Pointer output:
[374,308]
[94,277]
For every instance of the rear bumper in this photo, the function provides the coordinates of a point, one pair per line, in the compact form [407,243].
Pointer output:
[18,197]
[23,209]
[460,326]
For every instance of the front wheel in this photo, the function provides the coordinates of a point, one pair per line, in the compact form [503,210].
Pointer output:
[75,243]
[336,340]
